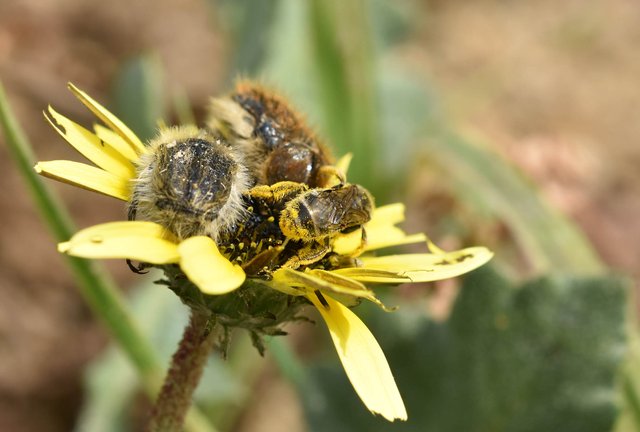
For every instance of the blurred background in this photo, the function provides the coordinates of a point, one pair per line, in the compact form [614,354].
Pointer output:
[506,124]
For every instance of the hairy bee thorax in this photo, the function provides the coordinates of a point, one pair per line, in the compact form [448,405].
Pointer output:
[277,143]
[191,182]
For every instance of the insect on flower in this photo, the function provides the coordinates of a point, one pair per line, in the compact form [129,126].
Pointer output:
[251,220]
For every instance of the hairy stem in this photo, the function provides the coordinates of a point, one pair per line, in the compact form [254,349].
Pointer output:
[183,376]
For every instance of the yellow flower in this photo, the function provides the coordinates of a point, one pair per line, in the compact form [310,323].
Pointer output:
[115,150]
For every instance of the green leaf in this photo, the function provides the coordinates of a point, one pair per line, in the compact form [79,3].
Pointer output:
[543,356]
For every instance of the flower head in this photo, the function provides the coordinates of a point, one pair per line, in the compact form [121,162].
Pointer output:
[258,272]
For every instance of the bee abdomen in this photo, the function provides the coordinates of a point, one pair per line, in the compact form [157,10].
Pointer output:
[191,182]
[197,174]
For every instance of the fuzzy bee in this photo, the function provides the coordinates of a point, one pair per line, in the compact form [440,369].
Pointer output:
[256,179]
[191,182]
[274,138]
[306,218]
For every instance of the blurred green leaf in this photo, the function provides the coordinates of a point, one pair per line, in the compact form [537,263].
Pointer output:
[629,419]
[345,59]
[406,106]
[331,74]
[111,388]
[182,107]
[138,94]
[111,391]
[249,24]
[482,177]
[392,21]
[542,357]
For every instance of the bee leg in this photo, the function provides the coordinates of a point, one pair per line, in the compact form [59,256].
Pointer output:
[277,193]
[138,269]
[262,261]
[309,254]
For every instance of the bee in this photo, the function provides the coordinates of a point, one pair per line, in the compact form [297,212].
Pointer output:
[277,144]
[302,218]
[319,213]
[255,180]
[315,216]
[191,182]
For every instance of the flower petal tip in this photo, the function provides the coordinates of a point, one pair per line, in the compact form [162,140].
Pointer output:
[64,247]
[207,268]
[393,416]
[362,358]
[228,282]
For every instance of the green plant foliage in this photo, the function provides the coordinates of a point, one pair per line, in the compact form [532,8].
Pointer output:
[542,356]
[482,178]
[111,386]
[138,94]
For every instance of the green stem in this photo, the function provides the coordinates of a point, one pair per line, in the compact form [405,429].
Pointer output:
[95,286]
[183,376]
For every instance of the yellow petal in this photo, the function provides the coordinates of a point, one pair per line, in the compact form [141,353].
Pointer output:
[379,237]
[205,266]
[283,281]
[109,119]
[140,241]
[125,229]
[90,146]
[390,214]
[417,267]
[362,359]
[327,282]
[381,231]
[345,287]
[343,164]
[86,177]
[348,244]
[115,141]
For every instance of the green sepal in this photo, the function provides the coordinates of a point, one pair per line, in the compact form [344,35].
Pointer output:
[255,306]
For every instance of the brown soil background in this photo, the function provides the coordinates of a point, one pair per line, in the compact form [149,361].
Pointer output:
[554,85]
